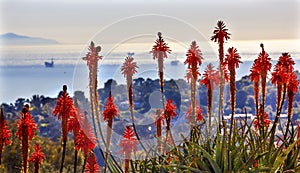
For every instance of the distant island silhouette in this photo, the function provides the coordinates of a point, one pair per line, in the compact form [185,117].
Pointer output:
[15,39]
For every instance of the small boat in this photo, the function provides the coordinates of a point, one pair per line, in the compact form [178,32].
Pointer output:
[175,62]
[49,64]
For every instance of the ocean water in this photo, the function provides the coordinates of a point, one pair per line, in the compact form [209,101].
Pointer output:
[23,74]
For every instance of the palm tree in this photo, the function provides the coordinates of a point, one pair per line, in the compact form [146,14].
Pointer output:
[221,35]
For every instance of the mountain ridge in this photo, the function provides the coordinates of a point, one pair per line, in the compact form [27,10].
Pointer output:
[16,39]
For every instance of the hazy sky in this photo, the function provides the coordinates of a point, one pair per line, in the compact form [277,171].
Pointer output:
[72,21]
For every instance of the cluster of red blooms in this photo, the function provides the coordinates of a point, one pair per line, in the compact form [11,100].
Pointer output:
[92,56]
[199,114]
[110,109]
[129,67]
[128,143]
[160,49]
[92,166]
[74,124]
[86,138]
[258,122]
[194,60]
[210,77]
[4,133]
[26,125]
[37,156]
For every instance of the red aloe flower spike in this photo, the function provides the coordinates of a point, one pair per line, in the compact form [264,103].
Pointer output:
[74,122]
[194,60]
[4,133]
[232,61]
[92,165]
[110,111]
[26,128]
[258,122]
[74,126]
[255,77]
[92,58]
[170,112]
[210,79]
[221,35]
[65,109]
[159,121]
[199,115]
[279,78]
[129,69]
[86,138]
[128,144]
[286,61]
[159,52]
[37,157]
[292,90]
[264,66]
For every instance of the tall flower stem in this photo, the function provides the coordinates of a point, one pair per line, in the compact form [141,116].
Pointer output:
[220,35]
[210,80]
[109,113]
[159,52]
[92,58]
[194,60]
[26,128]
[65,109]
[128,70]
[232,61]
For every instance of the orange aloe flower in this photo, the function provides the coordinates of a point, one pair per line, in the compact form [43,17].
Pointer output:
[210,79]
[74,126]
[64,109]
[37,157]
[193,60]
[128,144]
[258,123]
[159,52]
[169,113]
[110,111]
[92,165]
[4,133]
[221,35]
[199,115]
[86,138]
[232,61]
[25,132]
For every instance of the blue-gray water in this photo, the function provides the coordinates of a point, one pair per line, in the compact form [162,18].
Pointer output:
[25,81]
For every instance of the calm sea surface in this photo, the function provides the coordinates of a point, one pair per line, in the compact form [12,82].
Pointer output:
[23,74]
